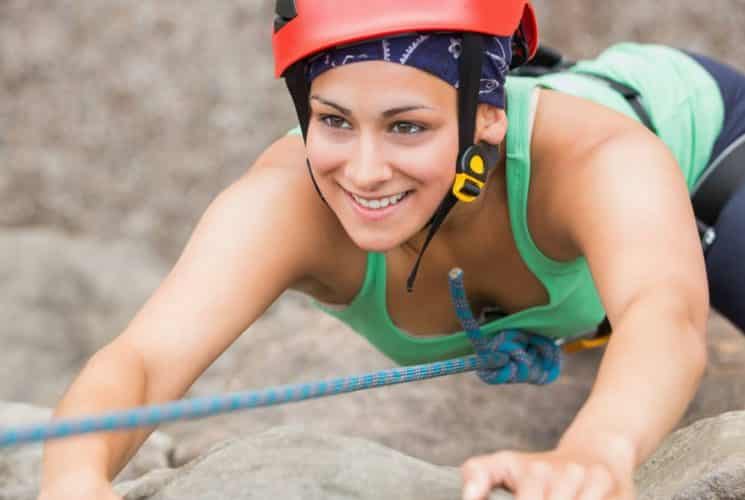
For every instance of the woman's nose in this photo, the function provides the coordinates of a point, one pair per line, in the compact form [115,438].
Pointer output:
[368,169]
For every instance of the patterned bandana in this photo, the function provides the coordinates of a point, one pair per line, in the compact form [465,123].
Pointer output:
[436,54]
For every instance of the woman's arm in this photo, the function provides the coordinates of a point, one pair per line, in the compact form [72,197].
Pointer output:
[634,223]
[625,207]
[259,237]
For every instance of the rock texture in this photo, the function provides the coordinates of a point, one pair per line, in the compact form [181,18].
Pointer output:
[300,464]
[705,461]
[20,467]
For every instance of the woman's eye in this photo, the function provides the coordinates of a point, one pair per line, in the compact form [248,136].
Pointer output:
[335,121]
[406,128]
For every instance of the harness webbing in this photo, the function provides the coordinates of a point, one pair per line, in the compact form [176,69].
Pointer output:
[510,357]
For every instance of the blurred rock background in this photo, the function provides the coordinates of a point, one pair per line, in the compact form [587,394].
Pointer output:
[120,121]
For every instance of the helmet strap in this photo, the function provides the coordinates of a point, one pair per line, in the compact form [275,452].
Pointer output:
[474,161]
[297,83]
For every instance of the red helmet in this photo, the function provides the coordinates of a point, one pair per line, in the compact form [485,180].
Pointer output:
[305,27]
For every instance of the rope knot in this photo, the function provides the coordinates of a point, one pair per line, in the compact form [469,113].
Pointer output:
[514,356]
[511,356]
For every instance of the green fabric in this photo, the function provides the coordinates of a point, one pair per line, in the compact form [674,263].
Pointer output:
[686,108]
[681,97]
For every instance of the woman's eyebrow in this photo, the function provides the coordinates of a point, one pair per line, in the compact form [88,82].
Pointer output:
[386,114]
[403,109]
[338,107]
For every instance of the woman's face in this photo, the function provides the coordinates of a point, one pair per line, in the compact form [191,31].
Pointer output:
[382,142]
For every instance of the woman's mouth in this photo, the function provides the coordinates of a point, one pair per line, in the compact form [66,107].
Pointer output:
[376,208]
[378,203]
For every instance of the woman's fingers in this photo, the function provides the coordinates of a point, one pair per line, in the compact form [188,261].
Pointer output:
[599,485]
[534,483]
[482,474]
[567,485]
[542,476]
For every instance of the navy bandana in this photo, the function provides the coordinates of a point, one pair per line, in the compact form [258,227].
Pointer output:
[436,54]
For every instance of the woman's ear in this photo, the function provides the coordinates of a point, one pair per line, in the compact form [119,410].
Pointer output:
[491,124]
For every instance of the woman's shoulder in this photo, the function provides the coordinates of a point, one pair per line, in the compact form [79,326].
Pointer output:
[564,161]
[332,261]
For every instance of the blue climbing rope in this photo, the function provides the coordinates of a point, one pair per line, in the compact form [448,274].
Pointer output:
[510,357]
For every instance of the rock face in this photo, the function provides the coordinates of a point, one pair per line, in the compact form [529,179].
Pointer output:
[706,460]
[298,464]
[20,467]
[62,298]
[703,461]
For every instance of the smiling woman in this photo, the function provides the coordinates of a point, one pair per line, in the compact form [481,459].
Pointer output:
[560,205]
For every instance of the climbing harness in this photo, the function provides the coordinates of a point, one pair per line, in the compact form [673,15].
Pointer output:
[722,178]
[510,357]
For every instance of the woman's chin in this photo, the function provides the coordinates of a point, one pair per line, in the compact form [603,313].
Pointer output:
[377,241]
[373,243]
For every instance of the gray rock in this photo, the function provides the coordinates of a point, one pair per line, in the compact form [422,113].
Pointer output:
[63,298]
[20,467]
[296,463]
[704,461]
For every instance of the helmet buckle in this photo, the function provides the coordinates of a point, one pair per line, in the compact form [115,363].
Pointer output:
[473,170]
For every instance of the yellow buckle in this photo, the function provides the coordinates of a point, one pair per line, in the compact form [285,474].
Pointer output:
[471,179]
[460,183]
[585,344]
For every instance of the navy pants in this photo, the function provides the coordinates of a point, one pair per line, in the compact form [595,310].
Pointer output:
[725,259]
[725,262]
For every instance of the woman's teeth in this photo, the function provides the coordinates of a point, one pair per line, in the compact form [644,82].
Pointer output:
[381,202]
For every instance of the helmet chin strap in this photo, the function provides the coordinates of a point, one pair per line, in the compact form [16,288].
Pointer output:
[474,160]
[297,83]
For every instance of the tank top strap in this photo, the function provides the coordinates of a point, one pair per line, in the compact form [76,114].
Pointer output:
[521,93]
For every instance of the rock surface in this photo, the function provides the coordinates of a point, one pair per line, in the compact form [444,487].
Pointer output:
[703,461]
[20,467]
[706,460]
[300,464]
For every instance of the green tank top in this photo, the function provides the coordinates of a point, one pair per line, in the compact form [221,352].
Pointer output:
[686,108]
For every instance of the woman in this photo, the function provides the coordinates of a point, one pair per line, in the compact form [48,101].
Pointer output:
[565,208]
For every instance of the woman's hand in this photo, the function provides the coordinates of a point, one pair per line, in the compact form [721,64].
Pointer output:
[554,475]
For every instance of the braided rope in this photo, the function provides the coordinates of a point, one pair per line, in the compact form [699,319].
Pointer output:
[510,357]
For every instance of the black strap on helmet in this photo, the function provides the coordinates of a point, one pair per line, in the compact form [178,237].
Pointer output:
[469,68]
[296,80]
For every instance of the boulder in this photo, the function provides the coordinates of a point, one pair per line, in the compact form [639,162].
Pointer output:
[704,461]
